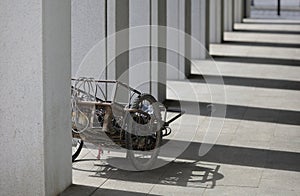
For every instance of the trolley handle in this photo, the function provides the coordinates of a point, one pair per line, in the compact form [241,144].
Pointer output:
[180,113]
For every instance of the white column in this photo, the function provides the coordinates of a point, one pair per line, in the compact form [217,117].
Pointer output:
[228,15]
[122,40]
[111,41]
[247,8]
[216,21]
[158,55]
[199,28]
[88,30]
[35,64]
[139,45]
[122,47]
[238,11]
[187,39]
[175,41]
[197,31]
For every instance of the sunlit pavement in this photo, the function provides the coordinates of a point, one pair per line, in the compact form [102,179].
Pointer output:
[258,149]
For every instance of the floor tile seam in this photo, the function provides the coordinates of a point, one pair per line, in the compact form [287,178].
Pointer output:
[261,176]
[85,153]
[243,117]
[235,131]
[149,192]
[160,178]
[248,107]
[101,185]
[240,186]
[107,178]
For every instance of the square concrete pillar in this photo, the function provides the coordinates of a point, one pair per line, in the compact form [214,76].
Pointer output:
[200,28]
[111,18]
[139,45]
[228,15]
[35,127]
[158,50]
[216,21]
[175,39]
[247,9]
[122,40]
[238,11]
[187,40]
[117,46]
[111,41]
[88,30]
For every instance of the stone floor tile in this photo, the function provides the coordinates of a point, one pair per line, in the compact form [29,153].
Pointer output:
[230,190]
[276,192]
[239,176]
[254,131]
[79,190]
[127,186]
[169,190]
[278,179]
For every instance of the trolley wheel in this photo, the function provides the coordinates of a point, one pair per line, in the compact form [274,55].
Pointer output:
[77,145]
[143,157]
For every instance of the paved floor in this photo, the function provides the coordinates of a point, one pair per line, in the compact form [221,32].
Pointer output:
[285,14]
[257,150]
[235,37]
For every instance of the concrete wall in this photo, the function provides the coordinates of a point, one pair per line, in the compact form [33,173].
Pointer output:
[35,74]
[20,76]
